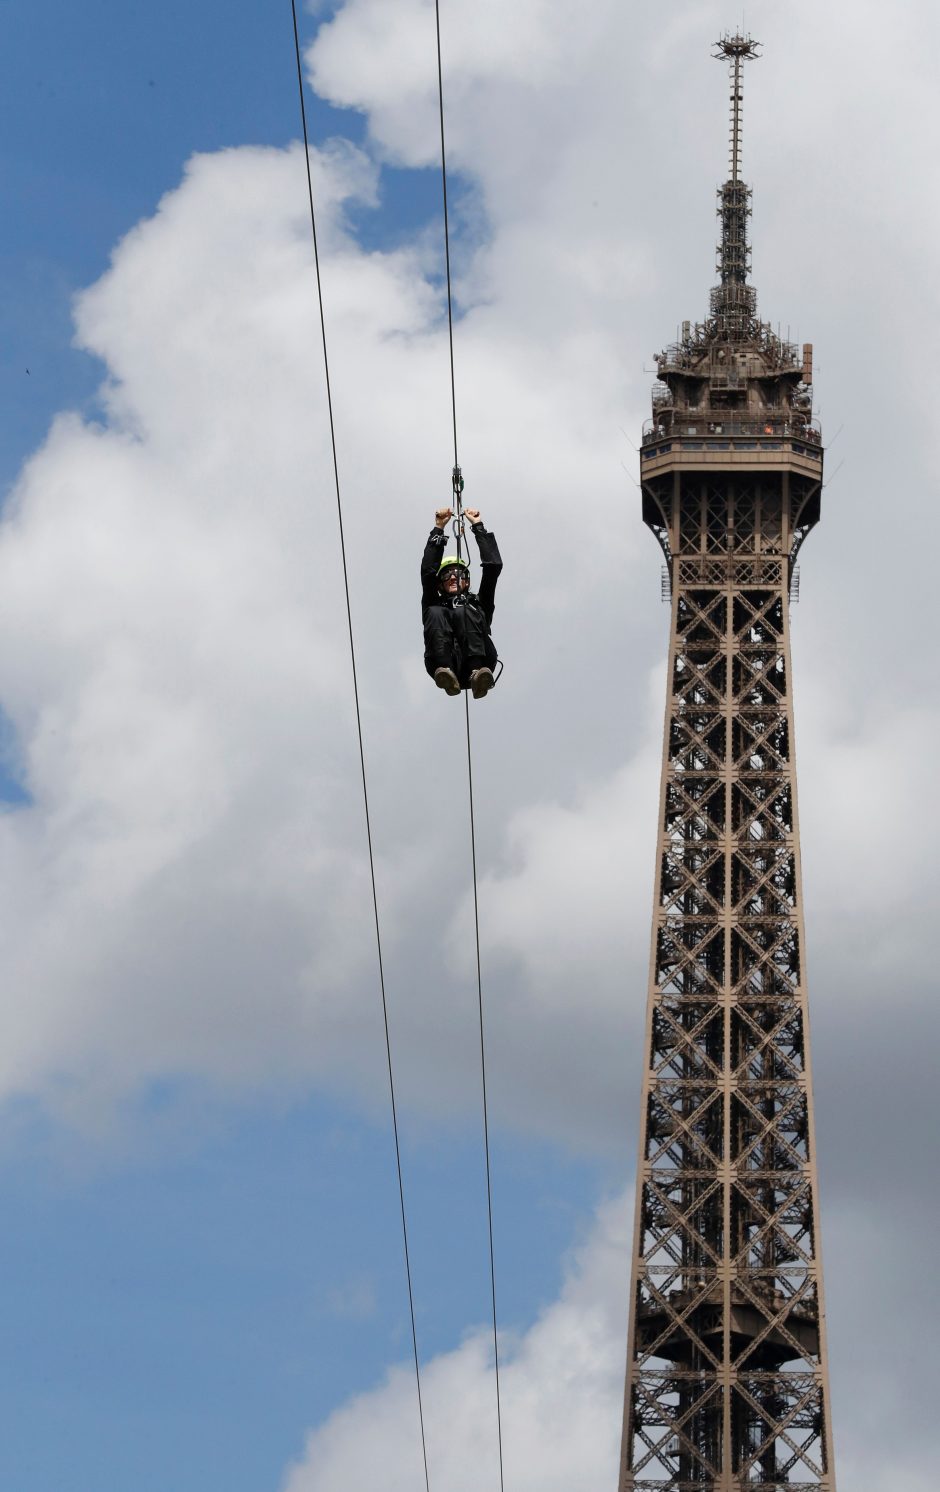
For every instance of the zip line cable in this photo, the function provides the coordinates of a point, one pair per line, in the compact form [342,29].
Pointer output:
[450,317]
[458,485]
[362,755]
[486,1128]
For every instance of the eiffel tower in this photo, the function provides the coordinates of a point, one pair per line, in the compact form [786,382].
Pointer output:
[727,1377]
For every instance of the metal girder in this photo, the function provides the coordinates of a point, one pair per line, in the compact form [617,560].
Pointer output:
[727,1381]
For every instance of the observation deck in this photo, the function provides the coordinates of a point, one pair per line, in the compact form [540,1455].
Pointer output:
[692,444]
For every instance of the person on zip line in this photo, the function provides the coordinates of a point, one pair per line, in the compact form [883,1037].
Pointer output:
[458,650]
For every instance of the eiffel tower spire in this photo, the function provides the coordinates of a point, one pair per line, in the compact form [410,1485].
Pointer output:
[733,301]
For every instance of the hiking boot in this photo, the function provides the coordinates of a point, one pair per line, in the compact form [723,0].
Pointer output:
[481,682]
[446,679]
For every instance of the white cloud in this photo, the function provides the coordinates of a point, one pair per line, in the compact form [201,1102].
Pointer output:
[178,683]
[187,890]
[187,885]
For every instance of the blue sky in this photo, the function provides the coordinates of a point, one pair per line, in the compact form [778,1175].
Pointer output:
[200,1236]
[182,1313]
[101,106]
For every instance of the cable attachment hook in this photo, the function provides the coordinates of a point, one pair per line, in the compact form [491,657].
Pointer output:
[459,523]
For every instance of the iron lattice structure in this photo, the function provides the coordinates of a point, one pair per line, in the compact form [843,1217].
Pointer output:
[727,1379]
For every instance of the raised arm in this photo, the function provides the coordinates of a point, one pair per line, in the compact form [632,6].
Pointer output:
[490,561]
[431,559]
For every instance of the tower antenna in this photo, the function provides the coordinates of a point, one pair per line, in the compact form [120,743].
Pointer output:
[734,302]
[737,49]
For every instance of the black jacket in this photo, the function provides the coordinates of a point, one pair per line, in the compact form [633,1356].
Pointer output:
[431,563]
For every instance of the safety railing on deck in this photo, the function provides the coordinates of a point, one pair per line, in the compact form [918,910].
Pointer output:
[767,429]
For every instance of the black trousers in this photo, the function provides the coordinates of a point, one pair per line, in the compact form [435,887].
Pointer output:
[456,637]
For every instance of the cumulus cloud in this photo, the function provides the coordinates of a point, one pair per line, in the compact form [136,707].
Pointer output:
[187,880]
[186,883]
[161,653]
